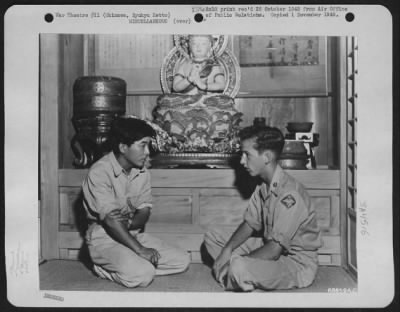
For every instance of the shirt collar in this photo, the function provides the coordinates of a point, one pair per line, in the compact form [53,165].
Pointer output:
[277,180]
[118,169]
[264,191]
[115,164]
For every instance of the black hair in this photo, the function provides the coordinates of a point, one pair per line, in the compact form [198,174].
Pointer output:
[266,138]
[128,130]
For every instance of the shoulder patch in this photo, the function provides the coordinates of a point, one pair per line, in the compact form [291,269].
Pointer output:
[288,201]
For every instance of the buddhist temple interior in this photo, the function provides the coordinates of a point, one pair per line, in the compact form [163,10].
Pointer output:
[286,82]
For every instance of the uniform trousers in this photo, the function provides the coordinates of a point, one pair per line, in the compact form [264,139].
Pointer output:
[246,274]
[122,265]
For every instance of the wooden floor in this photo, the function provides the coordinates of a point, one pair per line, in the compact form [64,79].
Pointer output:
[71,275]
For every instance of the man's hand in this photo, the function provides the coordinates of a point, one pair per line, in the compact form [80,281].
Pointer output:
[150,254]
[223,272]
[221,264]
[116,215]
[131,205]
[270,251]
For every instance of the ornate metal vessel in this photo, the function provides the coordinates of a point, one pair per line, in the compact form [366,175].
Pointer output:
[97,101]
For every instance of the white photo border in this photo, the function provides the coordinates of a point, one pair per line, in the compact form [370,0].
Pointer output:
[373,28]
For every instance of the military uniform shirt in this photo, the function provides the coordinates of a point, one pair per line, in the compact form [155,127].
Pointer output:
[108,187]
[284,213]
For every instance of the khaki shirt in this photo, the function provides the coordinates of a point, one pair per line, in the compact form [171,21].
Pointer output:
[108,187]
[284,213]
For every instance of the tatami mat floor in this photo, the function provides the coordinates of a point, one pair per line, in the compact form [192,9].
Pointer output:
[69,275]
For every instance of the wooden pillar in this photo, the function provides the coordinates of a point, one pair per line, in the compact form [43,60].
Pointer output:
[342,101]
[72,66]
[49,100]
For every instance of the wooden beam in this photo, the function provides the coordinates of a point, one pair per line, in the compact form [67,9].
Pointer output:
[189,240]
[49,99]
[342,96]
[211,178]
[72,47]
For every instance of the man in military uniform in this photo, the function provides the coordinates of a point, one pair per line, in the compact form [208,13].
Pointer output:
[275,247]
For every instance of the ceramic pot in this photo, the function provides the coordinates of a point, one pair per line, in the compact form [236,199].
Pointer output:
[293,148]
[299,126]
[293,163]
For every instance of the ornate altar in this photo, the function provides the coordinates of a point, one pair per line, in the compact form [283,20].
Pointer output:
[202,125]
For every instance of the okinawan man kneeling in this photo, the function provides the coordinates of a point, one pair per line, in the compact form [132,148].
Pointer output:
[117,200]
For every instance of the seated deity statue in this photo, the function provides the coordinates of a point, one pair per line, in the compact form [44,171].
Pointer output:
[201,72]
[200,78]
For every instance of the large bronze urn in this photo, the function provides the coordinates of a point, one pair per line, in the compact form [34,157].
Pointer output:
[97,101]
